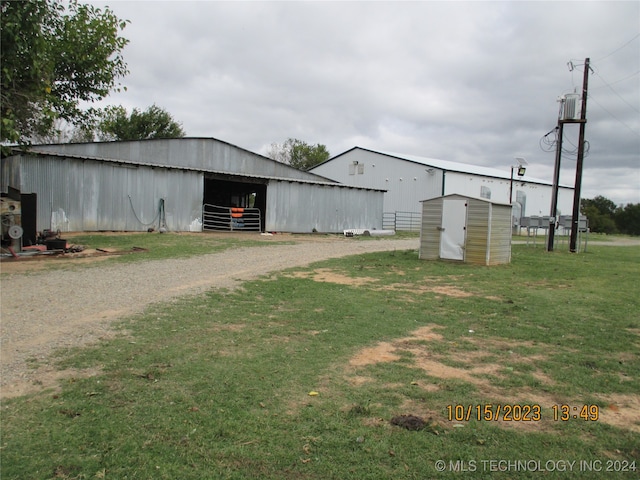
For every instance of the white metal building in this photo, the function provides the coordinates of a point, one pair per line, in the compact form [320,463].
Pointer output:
[410,179]
[135,185]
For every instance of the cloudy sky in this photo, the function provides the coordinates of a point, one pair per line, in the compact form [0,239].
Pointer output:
[472,82]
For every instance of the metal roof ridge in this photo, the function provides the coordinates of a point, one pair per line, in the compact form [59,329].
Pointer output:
[458,166]
[193,169]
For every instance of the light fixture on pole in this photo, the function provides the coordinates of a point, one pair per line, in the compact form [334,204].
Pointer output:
[521,171]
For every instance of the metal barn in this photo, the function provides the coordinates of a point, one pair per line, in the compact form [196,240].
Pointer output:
[409,179]
[186,184]
[471,230]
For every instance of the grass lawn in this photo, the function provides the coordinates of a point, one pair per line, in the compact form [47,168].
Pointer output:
[516,371]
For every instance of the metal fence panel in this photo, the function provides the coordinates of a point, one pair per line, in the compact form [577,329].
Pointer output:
[230,219]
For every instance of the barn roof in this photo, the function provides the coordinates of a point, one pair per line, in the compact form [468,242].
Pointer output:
[449,166]
[133,163]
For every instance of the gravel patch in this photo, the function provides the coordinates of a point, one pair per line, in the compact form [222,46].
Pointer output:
[46,310]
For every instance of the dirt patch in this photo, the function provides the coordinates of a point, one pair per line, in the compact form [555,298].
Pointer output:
[41,262]
[47,377]
[383,352]
[328,275]
[231,327]
[622,411]
[450,291]
[333,276]
[360,380]
[446,290]
[422,410]
[396,271]
[501,344]
[476,367]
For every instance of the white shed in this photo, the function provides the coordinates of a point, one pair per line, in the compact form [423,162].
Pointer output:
[472,230]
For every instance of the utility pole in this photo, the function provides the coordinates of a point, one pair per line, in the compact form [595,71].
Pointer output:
[556,181]
[575,219]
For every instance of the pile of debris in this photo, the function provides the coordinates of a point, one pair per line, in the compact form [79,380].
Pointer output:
[47,243]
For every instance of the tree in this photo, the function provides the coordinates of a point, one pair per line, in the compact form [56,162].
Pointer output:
[603,205]
[599,211]
[628,219]
[54,58]
[299,154]
[154,122]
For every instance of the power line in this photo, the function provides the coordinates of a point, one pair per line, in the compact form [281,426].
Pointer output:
[623,123]
[616,81]
[617,94]
[618,49]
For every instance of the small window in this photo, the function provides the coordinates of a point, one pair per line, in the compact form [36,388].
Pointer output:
[352,169]
[485,192]
[360,168]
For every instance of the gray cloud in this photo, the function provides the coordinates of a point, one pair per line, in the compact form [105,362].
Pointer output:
[471,82]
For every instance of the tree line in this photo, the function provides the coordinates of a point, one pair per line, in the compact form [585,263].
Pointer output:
[605,217]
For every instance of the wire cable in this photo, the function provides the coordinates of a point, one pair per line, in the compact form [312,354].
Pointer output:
[623,123]
[138,218]
[616,81]
[547,145]
[550,145]
[606,84]
[618,49]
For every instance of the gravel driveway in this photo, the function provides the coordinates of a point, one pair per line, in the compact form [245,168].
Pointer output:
[45,310]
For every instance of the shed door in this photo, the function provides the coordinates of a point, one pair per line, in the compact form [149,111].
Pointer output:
[454,220]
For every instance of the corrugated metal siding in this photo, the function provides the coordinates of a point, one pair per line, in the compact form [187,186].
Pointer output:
[429,232]
[477,232]
[207,154]
[488,231]
[10,173]
[90,200]
[500,235]
[301,208]
[77,195]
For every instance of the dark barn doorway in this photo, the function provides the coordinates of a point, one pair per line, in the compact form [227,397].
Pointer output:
[239,192]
